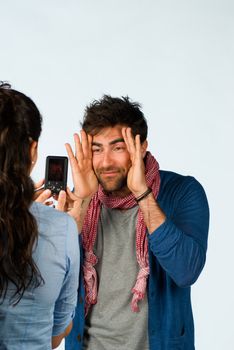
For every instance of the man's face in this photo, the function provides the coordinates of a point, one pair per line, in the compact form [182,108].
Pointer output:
[111,159]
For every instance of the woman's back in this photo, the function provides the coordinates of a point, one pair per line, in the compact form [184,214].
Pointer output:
[28,325]
[39,251]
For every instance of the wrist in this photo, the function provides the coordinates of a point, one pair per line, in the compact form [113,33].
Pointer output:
[143,194]
[139,192]
[81,197]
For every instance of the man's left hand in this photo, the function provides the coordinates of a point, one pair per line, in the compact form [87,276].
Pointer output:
[136,179]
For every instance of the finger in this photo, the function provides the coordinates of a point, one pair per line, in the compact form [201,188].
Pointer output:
[43,196]
[37,193]
[39,184]
[130,141]
[125,137]
[69,151]
[55,196]
[71,200]
[138,146]
[84,143]
[90,140]
[48,203]
[78,148]
[72,159]
[61,201]
[69,203]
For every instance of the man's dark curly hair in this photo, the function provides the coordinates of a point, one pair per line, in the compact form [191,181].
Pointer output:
[111,111]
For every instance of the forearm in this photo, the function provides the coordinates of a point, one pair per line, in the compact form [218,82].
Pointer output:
[56,340]
[152,213]
[179,254]
[179,240]
[81,212]
[180,243]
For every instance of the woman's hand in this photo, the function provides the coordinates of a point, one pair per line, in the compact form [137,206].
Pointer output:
[40,194]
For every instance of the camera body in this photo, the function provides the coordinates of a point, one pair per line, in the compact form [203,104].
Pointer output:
[56,173]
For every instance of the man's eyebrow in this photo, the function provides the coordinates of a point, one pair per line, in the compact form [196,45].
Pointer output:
[96,144]
[120,139]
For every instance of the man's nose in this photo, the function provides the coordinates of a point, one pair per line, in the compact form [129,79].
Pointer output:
[107,160]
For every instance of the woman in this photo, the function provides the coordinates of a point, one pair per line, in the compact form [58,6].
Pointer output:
[39,251]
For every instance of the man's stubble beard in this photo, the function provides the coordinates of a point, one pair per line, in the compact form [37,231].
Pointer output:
[112,186]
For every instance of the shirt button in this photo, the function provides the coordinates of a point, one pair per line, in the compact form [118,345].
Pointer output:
[80,299]
[79,338]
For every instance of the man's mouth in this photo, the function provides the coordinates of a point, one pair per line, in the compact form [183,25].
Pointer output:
[109,173]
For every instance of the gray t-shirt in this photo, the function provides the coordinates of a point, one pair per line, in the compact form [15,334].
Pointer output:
[111,324]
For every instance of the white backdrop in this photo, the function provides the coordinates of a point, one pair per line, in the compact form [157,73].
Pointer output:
[176,58]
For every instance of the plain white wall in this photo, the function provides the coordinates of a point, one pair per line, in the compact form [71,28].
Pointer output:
[176,58]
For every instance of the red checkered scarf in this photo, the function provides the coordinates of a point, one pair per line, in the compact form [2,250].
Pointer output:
[89,233]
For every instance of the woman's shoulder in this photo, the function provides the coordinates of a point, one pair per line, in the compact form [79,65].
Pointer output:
[52,219]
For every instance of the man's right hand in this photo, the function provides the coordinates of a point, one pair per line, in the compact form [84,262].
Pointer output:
[84,179]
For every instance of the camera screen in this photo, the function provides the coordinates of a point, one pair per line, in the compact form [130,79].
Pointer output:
[56,170]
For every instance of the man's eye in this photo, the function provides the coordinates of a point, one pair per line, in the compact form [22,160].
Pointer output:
[96,150]
[119,148]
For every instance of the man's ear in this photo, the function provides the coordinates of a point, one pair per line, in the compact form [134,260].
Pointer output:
[144,147]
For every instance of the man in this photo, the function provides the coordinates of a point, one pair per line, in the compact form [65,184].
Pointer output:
[144,237]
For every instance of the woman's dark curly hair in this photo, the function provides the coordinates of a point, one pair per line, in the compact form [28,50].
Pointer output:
[20,124]
[110,111]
